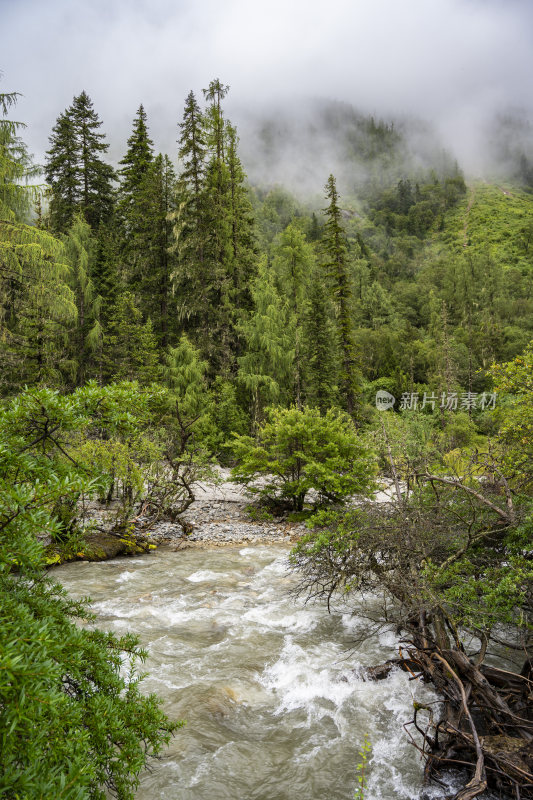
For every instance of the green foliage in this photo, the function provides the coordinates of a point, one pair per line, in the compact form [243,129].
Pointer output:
[299,451]
[364,755]
[137,160]
[36,303]
[513,382]
[336,266]
[454,539]
[130,347]
[74,722]
[266,367]
[79,178]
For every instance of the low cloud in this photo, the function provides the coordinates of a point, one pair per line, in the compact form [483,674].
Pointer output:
[454,63]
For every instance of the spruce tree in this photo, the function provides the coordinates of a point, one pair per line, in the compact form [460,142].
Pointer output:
[62,173]
[153,262]
[79,178]
[105,272]
[139,156]
[320,365]
[192,149]
[213,233]
[243,259]
[87,342]
[130,347]
[335,249]
[294,259]
[188,278]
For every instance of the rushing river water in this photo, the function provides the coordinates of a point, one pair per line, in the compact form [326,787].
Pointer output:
[266,683]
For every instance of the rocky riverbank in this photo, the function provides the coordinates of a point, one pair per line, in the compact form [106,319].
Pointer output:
[222,515]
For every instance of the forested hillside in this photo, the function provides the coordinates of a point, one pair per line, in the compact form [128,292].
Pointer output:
[437,274]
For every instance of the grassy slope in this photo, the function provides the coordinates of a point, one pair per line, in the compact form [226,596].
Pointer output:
[491,218]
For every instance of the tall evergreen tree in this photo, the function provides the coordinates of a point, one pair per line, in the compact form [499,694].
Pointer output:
[335,249]
[139,156]
[130,347]
[243,260]
[87,342]
[294,259]
[62,173]
[151,243]
[189,279]
[266,368]
[320,365]
[192,150]
[79,178]
[214,94]
[36,303]
[213,231]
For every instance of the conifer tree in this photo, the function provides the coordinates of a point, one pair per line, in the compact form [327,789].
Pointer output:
[266,368]
[243,260]
[87,343]
[185,374]
[294,259]
[105,269]
[213,232]
[62,173]
[320,350]
[188,278]
[36,303]
[214,95]
[153,261]
[130,347]
[79,178]
[335,249]
[192,150]
[139,156]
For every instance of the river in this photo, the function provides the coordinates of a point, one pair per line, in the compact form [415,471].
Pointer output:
[274,708]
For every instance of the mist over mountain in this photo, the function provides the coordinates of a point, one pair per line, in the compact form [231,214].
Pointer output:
[457,65]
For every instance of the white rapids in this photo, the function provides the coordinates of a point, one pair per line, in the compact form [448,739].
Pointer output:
[267,684]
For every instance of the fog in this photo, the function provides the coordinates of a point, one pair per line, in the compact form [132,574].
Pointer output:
[455,64]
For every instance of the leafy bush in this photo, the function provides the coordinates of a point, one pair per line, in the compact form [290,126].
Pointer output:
[73,723]
[299,451]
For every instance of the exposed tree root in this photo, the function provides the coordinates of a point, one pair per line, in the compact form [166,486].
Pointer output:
[486,721]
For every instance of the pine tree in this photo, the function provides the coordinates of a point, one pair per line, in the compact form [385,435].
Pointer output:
[79,178]
[336,254]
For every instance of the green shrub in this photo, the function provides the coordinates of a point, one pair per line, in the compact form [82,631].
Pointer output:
[73,723]
[299,451]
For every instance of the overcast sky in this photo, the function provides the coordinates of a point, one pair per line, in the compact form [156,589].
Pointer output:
[453,62]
